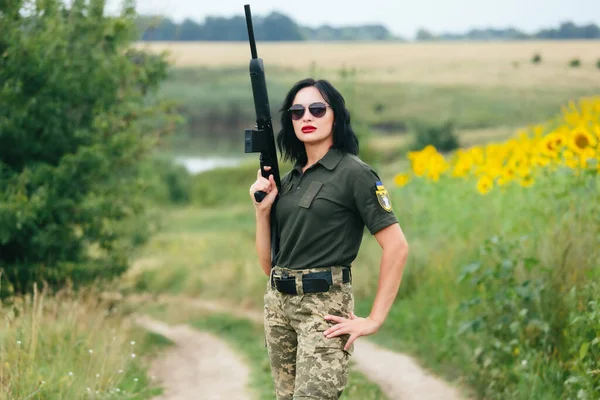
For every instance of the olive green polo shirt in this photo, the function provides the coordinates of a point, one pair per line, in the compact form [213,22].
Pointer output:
[322,213]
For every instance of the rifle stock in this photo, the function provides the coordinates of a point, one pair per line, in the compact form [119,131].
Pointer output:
[262,139]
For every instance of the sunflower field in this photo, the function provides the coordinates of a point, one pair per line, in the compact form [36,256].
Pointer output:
[504,271]
[570,140]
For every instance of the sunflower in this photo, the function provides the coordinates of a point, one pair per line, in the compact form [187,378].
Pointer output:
[485,184]
[503,180]
[581,139]
[461,168]
[587,155]
[570,159]
[477,155]
[540,161]
[419,167]
[506,176]
[402,179]
[526,181]
[509,172]
[551,144]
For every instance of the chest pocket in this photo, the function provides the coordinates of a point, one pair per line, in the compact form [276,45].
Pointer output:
[310,194]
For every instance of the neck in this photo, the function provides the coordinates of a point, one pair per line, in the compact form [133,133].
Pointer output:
[314,152]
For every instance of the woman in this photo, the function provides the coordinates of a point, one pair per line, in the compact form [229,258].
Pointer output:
[324,204]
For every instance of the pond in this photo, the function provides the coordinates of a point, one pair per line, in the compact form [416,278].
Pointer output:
[200,164]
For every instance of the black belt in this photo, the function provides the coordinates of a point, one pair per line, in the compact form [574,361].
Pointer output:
[313,282]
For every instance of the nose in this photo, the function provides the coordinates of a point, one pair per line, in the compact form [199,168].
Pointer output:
[307,116]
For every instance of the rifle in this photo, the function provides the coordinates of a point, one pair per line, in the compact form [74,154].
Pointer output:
[262,140]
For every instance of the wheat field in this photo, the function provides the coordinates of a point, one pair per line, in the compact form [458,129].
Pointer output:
[448,63]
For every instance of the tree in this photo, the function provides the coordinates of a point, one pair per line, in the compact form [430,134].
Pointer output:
[76,121]
[278,27]
[424,34]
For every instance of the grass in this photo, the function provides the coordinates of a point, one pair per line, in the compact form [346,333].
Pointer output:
[388,87]
[247,338]
[72,346]
[177,259]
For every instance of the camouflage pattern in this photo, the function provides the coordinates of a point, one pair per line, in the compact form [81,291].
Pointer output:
[304,363]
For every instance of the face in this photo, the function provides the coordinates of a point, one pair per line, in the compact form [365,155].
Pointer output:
[309,128]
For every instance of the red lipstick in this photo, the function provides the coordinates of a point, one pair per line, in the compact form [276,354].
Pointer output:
[308,129]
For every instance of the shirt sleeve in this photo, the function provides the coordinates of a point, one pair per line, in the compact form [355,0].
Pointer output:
[372,201]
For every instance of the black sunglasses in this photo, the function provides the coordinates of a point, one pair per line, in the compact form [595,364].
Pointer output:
[316,109]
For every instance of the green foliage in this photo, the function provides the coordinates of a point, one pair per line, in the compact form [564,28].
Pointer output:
[598,63]
[505,305]
[530,308]
[537,58]
[521,322]
[575,63]
[166,182]
[177,180]
[583,338]
[441,136]
[76,119]
[362,32]
[272,27]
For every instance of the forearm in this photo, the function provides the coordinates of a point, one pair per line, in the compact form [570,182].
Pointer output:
[392,265]
[263,240]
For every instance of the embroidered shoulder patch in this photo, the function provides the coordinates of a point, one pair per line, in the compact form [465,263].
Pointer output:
[383,197]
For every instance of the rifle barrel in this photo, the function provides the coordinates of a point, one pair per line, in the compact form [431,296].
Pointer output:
[250,31]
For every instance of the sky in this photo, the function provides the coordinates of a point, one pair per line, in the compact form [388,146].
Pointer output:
[401,17]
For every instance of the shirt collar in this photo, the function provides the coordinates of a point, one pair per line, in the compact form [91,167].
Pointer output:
[330,160]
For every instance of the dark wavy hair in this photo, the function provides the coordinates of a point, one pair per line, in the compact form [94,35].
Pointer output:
[344,137]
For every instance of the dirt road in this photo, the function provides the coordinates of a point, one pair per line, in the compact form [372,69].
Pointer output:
[185,371]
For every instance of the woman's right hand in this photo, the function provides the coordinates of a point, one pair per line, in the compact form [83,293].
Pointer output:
[264,185]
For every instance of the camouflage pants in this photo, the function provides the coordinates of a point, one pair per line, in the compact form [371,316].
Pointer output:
[304,363]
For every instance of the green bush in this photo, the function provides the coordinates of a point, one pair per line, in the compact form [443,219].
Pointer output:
[521,320]
[598,63]
[442,136]
[575,63]
[536,59]
[76,120]
[504,316]
[583,340]
[166,182]
[177,180]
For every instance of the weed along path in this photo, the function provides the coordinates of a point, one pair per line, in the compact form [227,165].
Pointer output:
[198,366]
[398,375]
